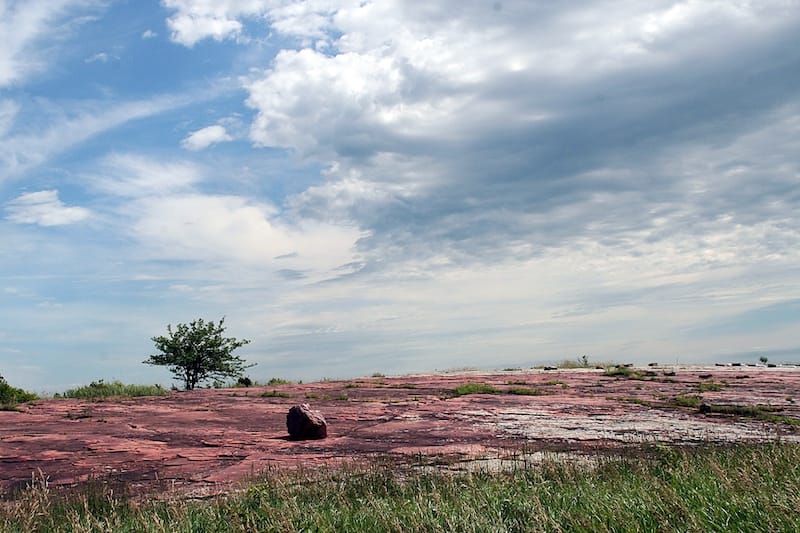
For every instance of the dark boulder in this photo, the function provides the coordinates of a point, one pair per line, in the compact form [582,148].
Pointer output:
[303,423]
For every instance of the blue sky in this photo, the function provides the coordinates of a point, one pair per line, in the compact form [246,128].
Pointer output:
[390,186]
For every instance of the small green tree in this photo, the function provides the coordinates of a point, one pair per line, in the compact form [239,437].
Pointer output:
[198,351]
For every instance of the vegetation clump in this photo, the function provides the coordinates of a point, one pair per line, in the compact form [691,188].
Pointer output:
[621,371]
[709,387]
[100,389]
[275,394]
[278,381]
[11,396]
[473,388]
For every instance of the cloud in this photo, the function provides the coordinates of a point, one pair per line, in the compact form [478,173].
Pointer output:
[162,206]
[100,57]
[136,176]
[8,113]
[24,25]
[44,208]
[483,133]
[203,138]
[149,34]
[22,150]
[194,21]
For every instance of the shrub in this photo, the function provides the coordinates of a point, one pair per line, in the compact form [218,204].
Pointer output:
[278,381]
[11,396]
[244,382]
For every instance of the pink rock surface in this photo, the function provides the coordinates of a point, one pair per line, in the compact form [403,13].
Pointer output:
[208,439]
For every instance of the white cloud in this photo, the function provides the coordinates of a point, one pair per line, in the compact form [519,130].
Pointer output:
[45,209]
[8,112]
[24,25]
[135,176]
[149,34]
[203,138]
[100,57]
[232,229]
[194,21]
[23,151]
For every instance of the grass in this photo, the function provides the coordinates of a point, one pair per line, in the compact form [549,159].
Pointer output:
[278,381]
[623,372]
[709,387]
[275,394]
[741,488]
[760,412]
[10,396]
[100,389]
[473,388]
[687,401]
[483,388]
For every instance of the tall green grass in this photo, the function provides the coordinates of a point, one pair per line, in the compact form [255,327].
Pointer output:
[742,488]
[100,389]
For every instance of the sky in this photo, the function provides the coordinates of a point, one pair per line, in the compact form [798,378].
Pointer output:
[390,186]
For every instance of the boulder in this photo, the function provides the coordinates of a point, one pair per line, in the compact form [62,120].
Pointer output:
[303,423]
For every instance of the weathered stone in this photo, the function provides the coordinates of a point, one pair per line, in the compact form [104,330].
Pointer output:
[303,423]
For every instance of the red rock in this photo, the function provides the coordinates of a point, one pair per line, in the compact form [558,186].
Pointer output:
[207,440]
[303,423]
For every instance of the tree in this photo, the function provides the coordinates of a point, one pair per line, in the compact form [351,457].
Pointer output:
[198,352]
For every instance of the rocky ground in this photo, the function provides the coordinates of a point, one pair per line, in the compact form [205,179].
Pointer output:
[204,440]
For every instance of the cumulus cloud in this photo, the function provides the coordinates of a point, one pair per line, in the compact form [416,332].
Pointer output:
[203,138]
[149,34]
[44,208]
[510,131]
[162,205]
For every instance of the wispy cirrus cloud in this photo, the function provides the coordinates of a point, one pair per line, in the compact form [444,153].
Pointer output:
[27,25]
[23,149]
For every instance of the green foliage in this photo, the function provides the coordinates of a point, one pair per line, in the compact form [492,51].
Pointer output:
[473,388]
[760,412]
[709,387]
[687,401]
[620,371]
[276,394]
[11,396]
[198,352]
[101,389]
[278,381]
[736,488]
